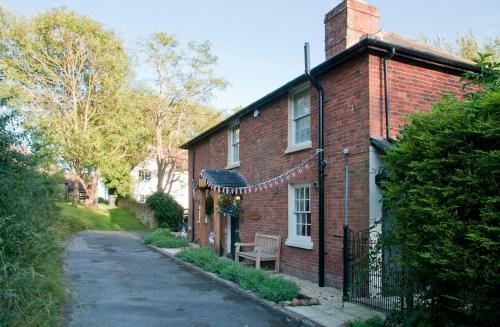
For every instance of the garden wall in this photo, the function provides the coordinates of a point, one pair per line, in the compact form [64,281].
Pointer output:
[140,210]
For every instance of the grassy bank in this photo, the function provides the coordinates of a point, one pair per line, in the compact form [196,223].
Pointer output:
[103,217]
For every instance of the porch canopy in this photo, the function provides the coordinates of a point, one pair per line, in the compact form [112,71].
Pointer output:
[220,181]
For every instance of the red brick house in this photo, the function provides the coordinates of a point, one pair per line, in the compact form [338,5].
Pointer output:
[278,131]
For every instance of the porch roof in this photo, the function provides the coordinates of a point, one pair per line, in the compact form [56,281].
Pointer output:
[381,145]
[224,177]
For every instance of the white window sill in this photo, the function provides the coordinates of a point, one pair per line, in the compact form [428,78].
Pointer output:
[308,245]
[299,147]
[233,165]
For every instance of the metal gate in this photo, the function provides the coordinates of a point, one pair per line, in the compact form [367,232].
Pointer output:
[375,277]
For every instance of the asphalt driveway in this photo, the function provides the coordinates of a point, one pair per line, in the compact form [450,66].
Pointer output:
[117,281]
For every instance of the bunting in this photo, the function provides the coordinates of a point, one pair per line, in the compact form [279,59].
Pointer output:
[262,186]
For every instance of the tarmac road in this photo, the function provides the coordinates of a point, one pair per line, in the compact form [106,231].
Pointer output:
[115,280]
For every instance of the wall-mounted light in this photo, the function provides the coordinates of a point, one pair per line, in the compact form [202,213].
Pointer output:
[257,113]
[237,198]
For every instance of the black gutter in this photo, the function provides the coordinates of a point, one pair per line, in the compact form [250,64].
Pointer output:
[387,98]
[368,44]
[321,171]
[192,198]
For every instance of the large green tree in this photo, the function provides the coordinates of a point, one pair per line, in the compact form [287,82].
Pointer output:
[443,192]
[184,83]
[68,70]
[466,45]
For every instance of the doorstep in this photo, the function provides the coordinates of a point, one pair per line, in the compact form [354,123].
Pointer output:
[328,313]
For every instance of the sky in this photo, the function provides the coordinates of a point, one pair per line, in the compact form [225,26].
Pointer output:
[259,43]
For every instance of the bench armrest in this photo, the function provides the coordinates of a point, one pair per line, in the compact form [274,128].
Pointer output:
[238,245]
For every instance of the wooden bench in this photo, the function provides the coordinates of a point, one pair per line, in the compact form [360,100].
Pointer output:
[265,248]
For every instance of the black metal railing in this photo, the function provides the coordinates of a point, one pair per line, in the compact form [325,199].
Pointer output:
[376,277]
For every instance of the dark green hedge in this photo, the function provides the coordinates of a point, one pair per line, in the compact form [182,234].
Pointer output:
[167,210]
[443,191]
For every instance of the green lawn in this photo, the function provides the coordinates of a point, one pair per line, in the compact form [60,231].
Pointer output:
[103,217]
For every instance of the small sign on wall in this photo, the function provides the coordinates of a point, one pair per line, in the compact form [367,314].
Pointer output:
[253,215]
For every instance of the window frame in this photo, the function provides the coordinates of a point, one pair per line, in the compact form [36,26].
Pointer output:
[294,240]
[231,163]
[141,175]
[292,145]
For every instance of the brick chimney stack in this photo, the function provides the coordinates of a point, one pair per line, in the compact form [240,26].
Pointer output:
[347,23]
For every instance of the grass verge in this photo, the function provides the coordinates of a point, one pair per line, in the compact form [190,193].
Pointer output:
[274,289]
[103,217]
[163,238]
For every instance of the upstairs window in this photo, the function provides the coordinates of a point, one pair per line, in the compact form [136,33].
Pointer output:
[144,175]
[234,145]
[299,113]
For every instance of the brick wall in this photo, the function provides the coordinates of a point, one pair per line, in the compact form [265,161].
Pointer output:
[353,111]
[263,142]
[411,88]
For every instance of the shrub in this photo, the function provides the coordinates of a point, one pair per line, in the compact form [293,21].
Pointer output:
[372,322]
[251,279]
[167,210]
[232,272]
[31,282]
[442,191]
[278,289]
[270,288]
[164,239]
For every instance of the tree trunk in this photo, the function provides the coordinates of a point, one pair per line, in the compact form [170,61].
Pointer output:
[75,195]
[91,191]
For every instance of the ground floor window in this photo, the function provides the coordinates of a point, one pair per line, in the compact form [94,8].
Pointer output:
[299,216]
[143,198]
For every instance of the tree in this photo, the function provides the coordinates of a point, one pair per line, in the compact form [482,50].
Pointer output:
[67,70]
[466,46]
[184,82]
[442,191]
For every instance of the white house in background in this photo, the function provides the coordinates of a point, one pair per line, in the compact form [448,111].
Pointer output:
[145,178]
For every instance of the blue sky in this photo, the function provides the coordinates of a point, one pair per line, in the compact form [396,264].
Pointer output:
[260,43]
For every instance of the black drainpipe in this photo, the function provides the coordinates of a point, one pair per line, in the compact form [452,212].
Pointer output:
[192,198]
[321,171]
[387,99]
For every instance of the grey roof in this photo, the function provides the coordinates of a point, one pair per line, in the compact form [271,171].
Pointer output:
[381,145]
[224,177]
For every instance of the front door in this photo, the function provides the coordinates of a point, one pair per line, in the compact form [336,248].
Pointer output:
[235,233]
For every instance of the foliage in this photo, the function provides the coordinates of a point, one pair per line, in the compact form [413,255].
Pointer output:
[209,205]
[372,322]
[277,289]
[68,74]
[31,282]
[176,111]
[168,212]
[163,238]
[442,191]
[416,317]
[270,288]
[229,205]
[466,46]
[103,217]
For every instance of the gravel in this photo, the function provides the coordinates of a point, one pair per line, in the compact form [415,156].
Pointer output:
[312,290]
